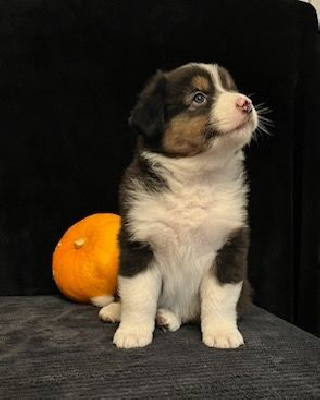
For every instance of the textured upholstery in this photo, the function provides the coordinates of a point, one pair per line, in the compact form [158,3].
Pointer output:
[53,349]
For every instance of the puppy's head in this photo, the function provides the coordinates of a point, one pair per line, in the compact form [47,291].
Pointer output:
[192,109]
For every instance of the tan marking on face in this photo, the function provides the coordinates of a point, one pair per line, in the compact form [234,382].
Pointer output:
[200,83]
[184,135]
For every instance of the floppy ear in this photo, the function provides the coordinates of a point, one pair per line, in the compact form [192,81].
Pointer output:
[147,117]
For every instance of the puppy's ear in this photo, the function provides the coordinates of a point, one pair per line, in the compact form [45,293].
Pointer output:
[147,117]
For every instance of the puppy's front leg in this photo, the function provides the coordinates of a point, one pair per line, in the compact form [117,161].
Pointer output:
[139,293]
[220,292]
[218,313]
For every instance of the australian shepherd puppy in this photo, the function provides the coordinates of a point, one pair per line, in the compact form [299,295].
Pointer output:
[184,236]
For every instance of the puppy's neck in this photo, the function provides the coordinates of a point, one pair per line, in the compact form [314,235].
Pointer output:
[209,165]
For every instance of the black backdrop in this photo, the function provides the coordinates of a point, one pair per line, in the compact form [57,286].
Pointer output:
[69,74]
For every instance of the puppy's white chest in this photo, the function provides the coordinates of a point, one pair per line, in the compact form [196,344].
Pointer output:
[198,217]
[185,226]
[186,218]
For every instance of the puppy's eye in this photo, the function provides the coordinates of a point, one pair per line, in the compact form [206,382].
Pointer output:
[199,98]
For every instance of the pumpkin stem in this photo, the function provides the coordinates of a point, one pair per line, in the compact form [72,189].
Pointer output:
[79,243]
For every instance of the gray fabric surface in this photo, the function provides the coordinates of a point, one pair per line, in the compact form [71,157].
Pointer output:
[53,349]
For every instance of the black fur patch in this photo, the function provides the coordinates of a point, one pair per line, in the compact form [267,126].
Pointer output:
[151,180]
[135,256]
[147,117]
[231,260]
[231,266]
[143,171]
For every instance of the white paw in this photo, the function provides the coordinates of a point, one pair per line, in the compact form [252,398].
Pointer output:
[110,313]
[168,320]
[223,339]
[129,340]
[101,301]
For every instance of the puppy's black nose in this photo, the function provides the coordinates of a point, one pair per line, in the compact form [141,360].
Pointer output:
[244,105]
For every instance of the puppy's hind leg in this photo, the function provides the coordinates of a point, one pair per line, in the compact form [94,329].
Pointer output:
[111,312]
[164,318]
[168,320]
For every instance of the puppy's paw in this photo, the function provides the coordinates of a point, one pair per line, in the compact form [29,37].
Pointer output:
[110,313]
[127,340]
[223,339]
[168,320]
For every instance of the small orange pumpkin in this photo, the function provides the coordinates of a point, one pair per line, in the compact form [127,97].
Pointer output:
[85,261]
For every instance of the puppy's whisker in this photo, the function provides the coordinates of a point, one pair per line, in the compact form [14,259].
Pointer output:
[262,108]
[262,129]
[263,104]
[265,120]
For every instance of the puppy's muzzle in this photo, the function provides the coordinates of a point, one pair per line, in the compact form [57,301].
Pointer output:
[244,105]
